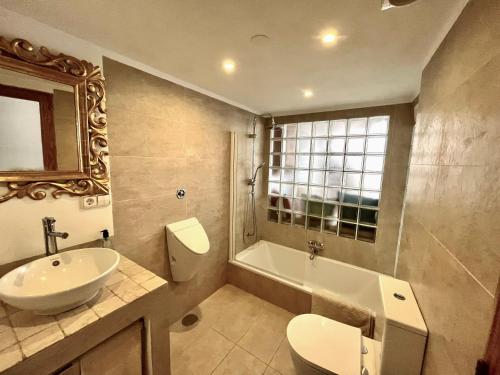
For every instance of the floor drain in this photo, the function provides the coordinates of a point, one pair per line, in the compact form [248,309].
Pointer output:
[189,320]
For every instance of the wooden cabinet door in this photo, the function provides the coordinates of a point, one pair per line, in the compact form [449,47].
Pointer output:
[121,354]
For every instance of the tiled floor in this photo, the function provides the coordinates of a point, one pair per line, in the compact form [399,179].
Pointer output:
[238,334]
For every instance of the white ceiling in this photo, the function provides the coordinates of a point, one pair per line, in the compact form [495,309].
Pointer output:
[378,61]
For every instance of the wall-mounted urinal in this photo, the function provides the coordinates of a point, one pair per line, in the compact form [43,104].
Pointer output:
[187,247]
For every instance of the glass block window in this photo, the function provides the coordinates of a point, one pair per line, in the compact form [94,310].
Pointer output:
[327,175]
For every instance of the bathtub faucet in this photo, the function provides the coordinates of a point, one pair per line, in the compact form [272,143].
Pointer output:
[315,247]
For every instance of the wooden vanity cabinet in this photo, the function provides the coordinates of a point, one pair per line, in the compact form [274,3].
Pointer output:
[121,354]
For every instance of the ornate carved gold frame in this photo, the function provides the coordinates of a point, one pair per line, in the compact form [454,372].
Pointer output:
[92,177]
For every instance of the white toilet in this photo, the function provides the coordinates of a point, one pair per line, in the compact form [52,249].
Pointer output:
[319,345]
[187,247]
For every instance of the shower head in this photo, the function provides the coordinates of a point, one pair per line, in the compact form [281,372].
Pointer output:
[254,178]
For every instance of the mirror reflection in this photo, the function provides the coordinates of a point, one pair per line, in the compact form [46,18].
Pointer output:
[38,124]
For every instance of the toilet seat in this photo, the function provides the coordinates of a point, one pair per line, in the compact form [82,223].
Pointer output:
[325,344]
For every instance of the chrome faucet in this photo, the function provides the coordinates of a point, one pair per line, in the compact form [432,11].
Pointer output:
[315,247]
[50,235]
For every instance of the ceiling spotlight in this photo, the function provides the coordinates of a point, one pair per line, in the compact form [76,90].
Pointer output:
[308,93]
[387,4]
[329,38]
[229,66]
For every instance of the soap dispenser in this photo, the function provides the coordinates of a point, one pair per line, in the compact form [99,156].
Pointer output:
[105,241]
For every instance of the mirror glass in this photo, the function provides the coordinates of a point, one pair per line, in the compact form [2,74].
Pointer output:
[38,124]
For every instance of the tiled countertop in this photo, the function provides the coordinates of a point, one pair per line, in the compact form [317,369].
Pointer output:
[23,333]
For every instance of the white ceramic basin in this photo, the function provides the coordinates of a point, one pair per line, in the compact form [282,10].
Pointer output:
[59,282]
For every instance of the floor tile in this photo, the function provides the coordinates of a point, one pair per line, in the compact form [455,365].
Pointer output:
[181,337]
[237,333]
[240,362]
[266,333]
[203,356]
[271,371]
[231,311]
[282,360]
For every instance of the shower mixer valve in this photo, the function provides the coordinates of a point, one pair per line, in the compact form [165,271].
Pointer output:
[315,247]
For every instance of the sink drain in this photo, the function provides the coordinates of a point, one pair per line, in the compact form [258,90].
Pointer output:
[189,320]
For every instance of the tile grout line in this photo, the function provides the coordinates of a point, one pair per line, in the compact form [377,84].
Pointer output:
[224,358]
[276,352]
[253,355]
[458,261]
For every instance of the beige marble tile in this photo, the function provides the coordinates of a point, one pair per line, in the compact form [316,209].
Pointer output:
[266,333]
[107,303]
[115,277]
[240,362]
[145,178]
[132,270]
[74,320]
[291,299]
[231,311]
[271,371]
[467,47]
[41,340]
[203,356]
[153,283]
[466,199]
[27,323]
[282,360]
[7,336]
[9,309]
[128,290]
[10,356]
[142,276]
[181,337]
[125,263]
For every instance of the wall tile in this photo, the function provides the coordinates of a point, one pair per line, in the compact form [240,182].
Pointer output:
[162,137]
[449,247]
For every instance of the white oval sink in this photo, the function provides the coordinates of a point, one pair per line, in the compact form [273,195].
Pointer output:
[59,282]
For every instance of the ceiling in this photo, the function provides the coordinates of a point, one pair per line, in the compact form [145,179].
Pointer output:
[378,59]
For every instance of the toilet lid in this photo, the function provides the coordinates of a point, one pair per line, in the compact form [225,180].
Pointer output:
[326,344]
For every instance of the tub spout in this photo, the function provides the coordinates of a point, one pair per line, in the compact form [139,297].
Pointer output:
[315,247]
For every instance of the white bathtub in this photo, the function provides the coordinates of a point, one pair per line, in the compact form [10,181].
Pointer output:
[294,268]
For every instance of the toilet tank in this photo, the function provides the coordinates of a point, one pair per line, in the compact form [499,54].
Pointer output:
[405,332]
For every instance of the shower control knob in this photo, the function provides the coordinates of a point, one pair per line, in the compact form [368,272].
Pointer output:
[181,193]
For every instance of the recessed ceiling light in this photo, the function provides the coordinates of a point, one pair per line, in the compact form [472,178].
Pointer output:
[260,39]
[308,93]
[229,66]
[329,38]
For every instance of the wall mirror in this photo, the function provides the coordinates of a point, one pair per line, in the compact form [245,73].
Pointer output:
[52,124]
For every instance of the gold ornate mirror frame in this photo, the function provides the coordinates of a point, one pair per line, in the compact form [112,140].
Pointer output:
[92,177]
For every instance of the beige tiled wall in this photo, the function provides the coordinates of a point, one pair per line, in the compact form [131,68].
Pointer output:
[450,246]
[379,256]
[163,136]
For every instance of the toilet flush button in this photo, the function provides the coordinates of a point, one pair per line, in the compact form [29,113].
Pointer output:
[181,193]
[399,296]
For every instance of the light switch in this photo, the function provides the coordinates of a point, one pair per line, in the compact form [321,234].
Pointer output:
[103,200]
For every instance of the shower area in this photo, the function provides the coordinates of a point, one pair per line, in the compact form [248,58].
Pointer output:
[315,193]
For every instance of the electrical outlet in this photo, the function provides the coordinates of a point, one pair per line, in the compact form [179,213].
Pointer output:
[103,200]
[89,201]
